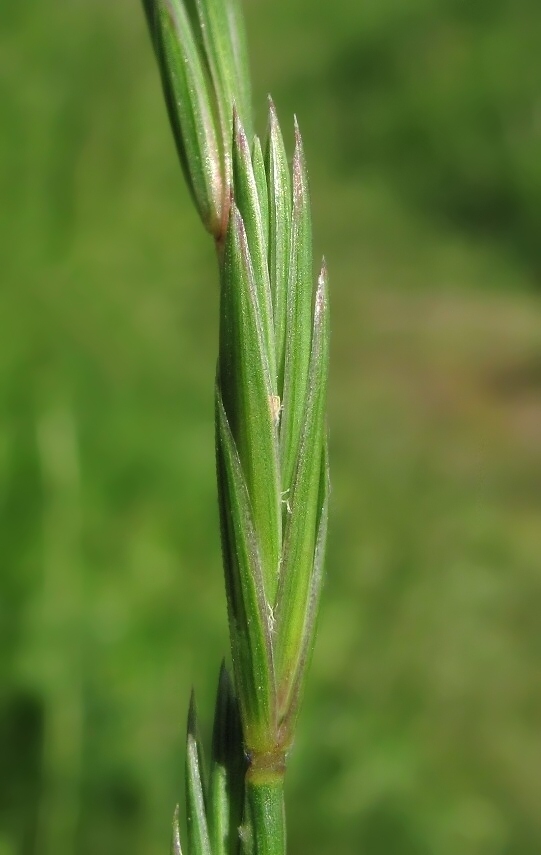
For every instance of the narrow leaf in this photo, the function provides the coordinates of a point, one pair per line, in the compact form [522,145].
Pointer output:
[299,318]
[279,206]
[175,838]
[190,112]
[292,693]
[193,729]
[248,612]
[228,768]
[261,183]
[303,508]
[239,52]
[247,201]
[219,812]
[225,40]
[223,36]
[248,396]
[198,836]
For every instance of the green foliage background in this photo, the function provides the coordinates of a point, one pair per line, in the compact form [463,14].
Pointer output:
[422,124]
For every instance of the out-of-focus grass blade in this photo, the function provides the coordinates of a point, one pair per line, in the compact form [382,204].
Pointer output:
[189,106]
[247,394]
[279,207]
[247,201]
[149,7]
[176,848]
[198,836]
[261,183]
[228,767]
[248,614]
[304,508]
[298,318]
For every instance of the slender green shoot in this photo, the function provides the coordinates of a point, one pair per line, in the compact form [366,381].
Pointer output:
[271,446]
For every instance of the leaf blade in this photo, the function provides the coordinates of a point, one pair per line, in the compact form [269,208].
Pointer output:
[228,768]
[293,594]
[279,207]
[176,848]
[247,201]
[224,40]
[247,607]
[197,829]
[298,317]
[247,394]
[260,176]
[189,107]
[292,696]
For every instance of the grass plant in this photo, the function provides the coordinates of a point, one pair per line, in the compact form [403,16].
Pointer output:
[271,448]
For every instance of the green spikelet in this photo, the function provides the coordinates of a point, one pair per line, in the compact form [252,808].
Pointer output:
[271,446]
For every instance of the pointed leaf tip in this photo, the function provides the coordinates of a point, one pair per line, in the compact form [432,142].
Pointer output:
[279,234]
[241,149]
[247,199]
[176,848]
[299,317]
[195,745]
[228,768]
[258,164]
[299,164]
[196,789]
[272,108]
[192,715]
[321,296]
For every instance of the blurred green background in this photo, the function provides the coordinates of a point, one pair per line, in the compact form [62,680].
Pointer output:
[421,731]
